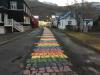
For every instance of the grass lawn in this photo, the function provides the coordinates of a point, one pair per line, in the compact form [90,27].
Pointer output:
[91,40]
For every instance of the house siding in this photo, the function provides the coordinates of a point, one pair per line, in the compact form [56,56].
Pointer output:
[86,25]
[64,22]
[4,3]
[17,14]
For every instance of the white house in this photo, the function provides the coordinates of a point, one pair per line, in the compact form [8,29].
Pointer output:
[86,25]
[55,22]
[67,19]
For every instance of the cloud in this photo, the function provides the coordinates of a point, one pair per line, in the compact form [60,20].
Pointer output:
[59,2]
[65,2]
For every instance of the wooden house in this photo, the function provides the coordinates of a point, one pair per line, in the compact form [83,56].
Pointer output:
[14,16]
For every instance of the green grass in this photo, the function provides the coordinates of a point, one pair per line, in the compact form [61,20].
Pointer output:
[90,40]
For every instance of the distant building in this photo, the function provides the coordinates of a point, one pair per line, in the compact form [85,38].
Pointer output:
[14,16]
[95,4]
[35,22]
[65,19]
[96,26]
[69,20]
[54,22]
[86,25]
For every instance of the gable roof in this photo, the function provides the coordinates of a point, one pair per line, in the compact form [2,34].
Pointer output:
[65,15]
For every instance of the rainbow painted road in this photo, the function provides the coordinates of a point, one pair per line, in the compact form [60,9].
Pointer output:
[47,57]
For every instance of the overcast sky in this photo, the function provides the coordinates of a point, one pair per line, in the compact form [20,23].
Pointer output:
[65,2]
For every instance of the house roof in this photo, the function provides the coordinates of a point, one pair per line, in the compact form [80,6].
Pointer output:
[65,15]
[88,19]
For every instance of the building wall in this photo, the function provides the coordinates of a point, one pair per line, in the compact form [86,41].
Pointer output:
[2,30]
[89,24]
[19,3]
[85,27]
[4,3]
[64,22]
[26,28]
[20,14]
[1,18]
[55,23]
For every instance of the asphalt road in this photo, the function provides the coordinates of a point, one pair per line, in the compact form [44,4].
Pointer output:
[12,53]
[8,36]
[85,61]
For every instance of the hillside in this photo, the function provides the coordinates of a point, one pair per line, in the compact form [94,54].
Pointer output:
[43,9]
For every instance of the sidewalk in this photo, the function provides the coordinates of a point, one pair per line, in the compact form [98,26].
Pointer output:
[8,36]
[5,38]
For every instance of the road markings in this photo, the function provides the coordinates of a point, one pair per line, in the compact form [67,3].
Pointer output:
[47,56]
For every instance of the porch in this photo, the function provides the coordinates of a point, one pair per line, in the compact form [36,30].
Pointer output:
[13,25]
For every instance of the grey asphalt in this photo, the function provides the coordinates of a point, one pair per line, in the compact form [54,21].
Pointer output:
[8,36]
[12,53]
[85,61]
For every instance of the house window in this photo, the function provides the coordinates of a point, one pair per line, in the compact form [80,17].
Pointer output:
[87,22]
[69,22]
[13,5]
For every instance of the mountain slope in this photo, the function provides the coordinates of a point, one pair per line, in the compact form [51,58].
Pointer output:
[39,8]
